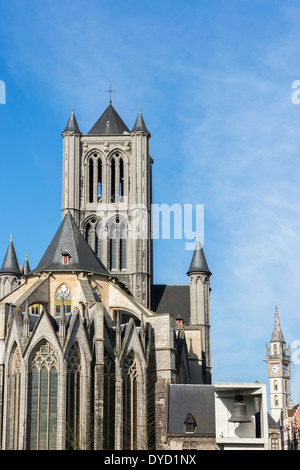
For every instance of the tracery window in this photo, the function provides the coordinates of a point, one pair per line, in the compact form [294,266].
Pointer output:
[109,402]
[63,299]
[43,387]
[130,384]
[73,398]
[15,391]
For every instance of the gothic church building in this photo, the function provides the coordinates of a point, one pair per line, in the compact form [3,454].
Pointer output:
[91,350]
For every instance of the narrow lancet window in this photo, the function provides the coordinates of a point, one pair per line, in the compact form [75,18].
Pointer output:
[91,180]
[112,246]
[73,398]
[99,189]
[99,238]
[130,400]
[15,395]
[122,246]
[113,180]
[109,402]
[121,185]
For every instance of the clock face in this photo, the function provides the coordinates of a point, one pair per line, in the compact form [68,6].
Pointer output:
[275,369]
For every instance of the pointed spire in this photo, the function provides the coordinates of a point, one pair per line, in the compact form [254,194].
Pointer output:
[10,264]
[72,125]
[139,125]
[26,267]
[277,333]
[198,264]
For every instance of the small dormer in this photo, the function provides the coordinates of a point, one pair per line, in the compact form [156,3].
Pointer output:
[190,424]
[65,257]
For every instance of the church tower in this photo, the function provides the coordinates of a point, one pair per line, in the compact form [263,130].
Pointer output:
[278,358]
[106,186]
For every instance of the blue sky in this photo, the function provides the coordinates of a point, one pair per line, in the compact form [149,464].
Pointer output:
[214,81]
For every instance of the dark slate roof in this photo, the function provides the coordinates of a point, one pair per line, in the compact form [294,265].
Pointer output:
[109,123]
[72,124]
[68,239]
[171,299]
[196,400]
[26,267]
[139,124]
[10,264]
[277,334]
[198,264]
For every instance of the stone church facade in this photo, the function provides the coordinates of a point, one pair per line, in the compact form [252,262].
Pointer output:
[90,348]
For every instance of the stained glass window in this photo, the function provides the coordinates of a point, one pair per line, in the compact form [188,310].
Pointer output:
[63,299]
[43,388]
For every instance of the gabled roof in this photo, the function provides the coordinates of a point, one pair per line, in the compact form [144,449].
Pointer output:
[139,125]
[72,125]
[198,264]
[68,239]
[109,123]
[10,264]
[277,334]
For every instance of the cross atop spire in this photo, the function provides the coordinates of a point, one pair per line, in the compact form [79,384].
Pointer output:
[110,91]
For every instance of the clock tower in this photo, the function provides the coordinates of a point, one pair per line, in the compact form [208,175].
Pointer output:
[279,361]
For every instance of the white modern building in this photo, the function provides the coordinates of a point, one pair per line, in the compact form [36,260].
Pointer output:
[243,426]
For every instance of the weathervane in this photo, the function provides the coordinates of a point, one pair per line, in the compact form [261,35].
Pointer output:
[110,91]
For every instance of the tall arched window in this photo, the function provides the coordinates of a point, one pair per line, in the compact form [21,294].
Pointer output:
[275,385]
[117,234]
[88,234]
[276,400]
[109,402]
[43,381]
[15,397]
[99,182]
[99,240]
[113,180]
[112,246]
[91,180]
[123,236]
[121,183]
[73,398]
[63,300]
[130,383]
